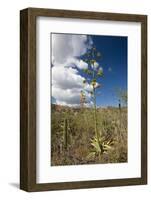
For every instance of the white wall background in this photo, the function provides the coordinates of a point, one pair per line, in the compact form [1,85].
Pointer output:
[9,98]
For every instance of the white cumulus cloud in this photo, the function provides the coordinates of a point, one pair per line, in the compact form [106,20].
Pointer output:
[80,64]
[66,46]
[66,78]
[67,83]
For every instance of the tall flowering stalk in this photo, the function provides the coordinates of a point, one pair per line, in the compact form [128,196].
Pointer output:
[93,74]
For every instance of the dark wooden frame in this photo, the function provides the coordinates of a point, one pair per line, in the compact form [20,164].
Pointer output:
[28,98]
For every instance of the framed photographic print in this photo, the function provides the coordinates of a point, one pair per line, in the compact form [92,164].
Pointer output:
[83,99]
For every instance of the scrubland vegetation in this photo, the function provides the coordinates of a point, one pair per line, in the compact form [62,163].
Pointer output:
[73,139]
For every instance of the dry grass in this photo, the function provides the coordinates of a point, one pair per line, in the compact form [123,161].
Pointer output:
[112,126]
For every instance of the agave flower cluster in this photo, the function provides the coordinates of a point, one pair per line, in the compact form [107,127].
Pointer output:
[93,72]
[93,75]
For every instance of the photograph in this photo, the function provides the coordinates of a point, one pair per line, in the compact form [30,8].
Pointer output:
[88,100]
[83,99]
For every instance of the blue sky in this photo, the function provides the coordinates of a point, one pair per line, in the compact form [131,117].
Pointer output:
[114,64]
[68,65]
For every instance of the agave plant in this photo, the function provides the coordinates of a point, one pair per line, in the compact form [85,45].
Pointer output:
[100,147]
[93,73]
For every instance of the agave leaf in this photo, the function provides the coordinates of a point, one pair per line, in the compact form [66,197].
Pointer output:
[96,146]
[107,147]
[110,142]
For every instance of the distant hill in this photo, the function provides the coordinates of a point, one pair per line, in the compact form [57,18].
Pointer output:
[59,108]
